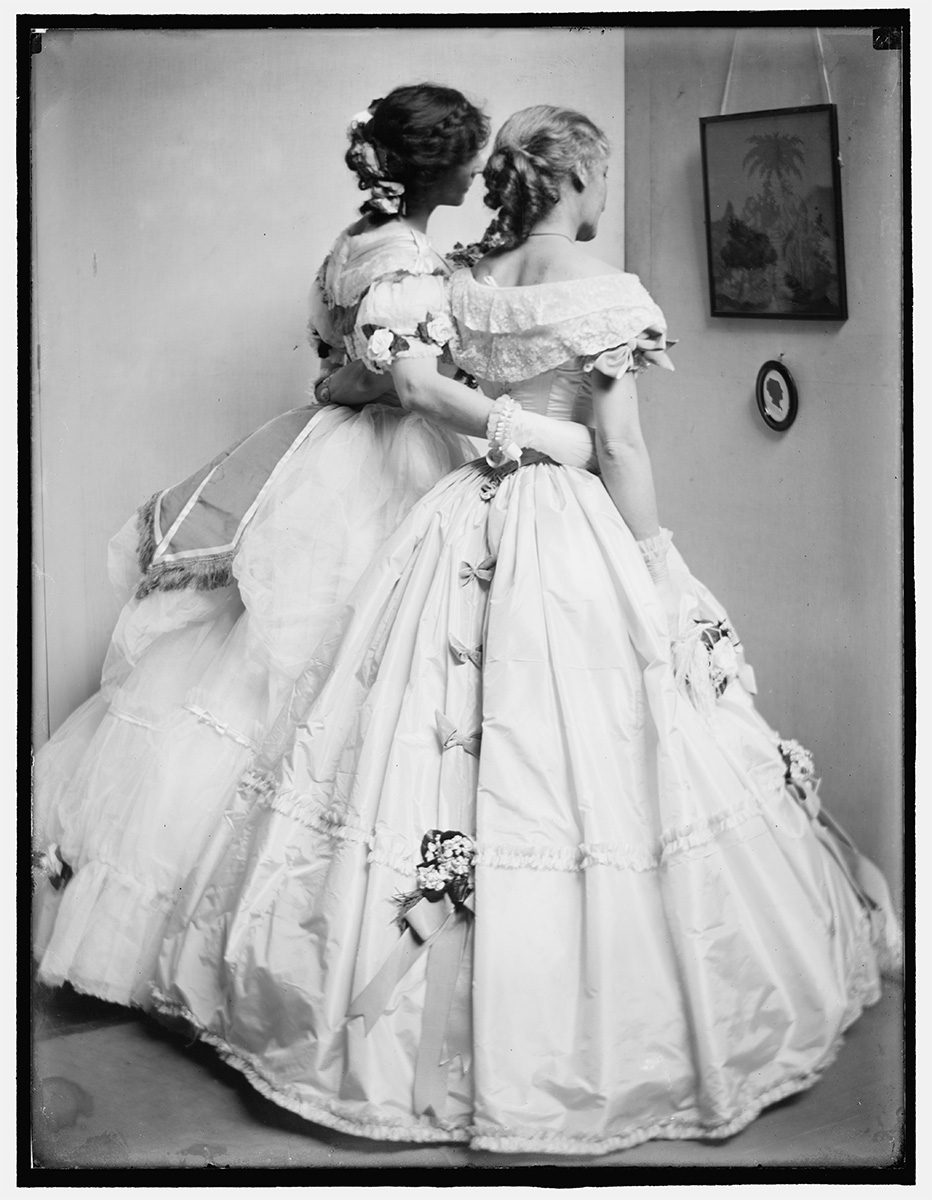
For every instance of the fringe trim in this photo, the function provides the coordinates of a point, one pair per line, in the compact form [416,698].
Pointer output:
[334,1115]
[205,573]
[145,527]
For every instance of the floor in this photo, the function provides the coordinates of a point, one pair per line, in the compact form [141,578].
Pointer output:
[114,1089]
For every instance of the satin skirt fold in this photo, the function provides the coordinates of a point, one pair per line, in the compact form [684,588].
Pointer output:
[661,945]
[134,786]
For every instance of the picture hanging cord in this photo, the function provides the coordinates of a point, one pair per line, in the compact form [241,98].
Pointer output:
[731,66]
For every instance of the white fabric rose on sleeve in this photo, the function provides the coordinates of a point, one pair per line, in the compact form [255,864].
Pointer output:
[379,347]
[439,329]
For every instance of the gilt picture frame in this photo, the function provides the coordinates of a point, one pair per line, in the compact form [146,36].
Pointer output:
[773,216]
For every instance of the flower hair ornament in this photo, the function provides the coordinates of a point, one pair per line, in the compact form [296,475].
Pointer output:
[361,118]
[386,196]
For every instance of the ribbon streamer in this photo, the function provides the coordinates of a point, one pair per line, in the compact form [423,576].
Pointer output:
[482,574]
[440,930]
[443,969]
[866,880]
[463,654]
[451,736]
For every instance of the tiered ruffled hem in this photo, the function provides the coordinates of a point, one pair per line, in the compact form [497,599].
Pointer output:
[102,934]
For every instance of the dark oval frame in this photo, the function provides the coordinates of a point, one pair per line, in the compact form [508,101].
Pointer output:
[777,368]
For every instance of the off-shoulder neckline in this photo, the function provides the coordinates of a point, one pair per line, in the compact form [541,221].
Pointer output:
[489,281]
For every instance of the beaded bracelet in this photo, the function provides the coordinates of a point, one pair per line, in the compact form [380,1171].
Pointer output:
[499,430]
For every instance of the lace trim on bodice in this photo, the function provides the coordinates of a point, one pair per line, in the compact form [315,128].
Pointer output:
[507,334]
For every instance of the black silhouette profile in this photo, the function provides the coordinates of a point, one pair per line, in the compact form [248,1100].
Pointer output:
[776,393]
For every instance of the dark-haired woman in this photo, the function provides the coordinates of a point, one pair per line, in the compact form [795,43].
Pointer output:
[522,865]
[242,566]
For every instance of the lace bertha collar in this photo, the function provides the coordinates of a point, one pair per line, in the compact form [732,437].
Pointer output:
[510,333]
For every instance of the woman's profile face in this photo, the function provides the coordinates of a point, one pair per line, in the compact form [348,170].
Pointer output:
[458,180]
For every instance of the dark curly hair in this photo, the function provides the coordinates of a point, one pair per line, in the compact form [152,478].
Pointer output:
[534,152]
[416,134]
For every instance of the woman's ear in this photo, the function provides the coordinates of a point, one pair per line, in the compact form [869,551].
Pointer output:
[580,177]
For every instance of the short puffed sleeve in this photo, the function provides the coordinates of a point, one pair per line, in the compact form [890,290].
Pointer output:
[401,316]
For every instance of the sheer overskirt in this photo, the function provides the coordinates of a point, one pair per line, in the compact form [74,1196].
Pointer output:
[134,785]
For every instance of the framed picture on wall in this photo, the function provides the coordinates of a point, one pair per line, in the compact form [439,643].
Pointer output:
[773,214]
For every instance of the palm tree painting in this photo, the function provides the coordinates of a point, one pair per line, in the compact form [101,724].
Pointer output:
[773,214]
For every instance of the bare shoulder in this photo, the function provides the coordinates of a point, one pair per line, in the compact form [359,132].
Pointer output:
[587,266]
[532,264]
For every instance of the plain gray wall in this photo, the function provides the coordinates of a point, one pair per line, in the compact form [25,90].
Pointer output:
[188,185]
[798,533]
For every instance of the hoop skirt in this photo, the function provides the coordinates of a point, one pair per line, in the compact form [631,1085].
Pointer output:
[661,939]
[239,572]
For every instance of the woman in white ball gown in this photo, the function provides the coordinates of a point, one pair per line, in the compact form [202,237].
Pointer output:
[244,564]
[521,866]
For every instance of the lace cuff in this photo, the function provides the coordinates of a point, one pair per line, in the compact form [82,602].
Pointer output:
[654,551]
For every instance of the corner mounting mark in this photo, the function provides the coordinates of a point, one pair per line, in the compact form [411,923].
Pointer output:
[888,37]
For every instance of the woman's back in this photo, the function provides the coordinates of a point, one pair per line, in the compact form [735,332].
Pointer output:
[541,341]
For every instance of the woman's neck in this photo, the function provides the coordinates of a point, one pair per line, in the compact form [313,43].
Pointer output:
[545,230]
[418,215]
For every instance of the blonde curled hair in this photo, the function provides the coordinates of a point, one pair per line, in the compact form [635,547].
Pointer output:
[535,151]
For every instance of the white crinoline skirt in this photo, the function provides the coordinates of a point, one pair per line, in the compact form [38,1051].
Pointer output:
[663,941]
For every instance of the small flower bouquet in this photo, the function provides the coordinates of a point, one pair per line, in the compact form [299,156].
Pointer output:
[707,657]
[446,869]
[721,642]
[799,775]
[800,769]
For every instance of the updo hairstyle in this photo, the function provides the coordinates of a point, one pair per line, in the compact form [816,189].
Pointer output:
[416,134]
[535,151]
